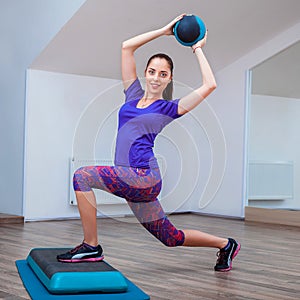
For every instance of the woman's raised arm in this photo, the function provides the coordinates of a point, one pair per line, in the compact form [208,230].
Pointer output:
[190,101]
[131,45]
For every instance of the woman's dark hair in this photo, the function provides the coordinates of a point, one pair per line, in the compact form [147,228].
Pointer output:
[168,91]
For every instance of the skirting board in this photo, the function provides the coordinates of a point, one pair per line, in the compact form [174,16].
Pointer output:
[273,216]
[11,219]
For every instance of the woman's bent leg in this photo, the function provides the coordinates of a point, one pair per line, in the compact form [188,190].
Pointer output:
[86,202]
[84,180]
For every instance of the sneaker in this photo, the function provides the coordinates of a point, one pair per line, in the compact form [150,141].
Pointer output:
[82,253]
[226,256]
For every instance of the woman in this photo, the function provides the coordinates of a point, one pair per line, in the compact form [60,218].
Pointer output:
[136,176]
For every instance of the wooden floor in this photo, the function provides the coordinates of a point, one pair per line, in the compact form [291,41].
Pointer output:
[267,266]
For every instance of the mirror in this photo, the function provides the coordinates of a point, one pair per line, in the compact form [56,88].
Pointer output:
[273,135]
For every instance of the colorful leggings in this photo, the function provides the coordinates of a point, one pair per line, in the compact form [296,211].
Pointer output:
[140,187]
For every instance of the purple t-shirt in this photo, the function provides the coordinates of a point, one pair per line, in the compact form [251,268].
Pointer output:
[138,128]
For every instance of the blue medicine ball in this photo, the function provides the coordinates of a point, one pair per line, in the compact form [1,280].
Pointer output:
[189,30]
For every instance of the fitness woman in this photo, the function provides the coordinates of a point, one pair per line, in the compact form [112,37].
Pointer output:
[135,175]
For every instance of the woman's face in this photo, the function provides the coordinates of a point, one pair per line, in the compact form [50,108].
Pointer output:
[158,75]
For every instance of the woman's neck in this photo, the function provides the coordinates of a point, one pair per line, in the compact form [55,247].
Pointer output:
[151,97]
[145,102]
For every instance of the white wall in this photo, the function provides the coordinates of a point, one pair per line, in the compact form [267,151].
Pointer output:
[26,27]
[55,106]
[274,136]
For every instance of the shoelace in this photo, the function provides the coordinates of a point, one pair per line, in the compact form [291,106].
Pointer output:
[221,256]
[77,248]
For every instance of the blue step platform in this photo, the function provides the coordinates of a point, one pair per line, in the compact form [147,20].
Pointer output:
[46,278]
[64,278]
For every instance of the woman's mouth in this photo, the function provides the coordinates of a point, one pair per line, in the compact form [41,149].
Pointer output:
[155,85]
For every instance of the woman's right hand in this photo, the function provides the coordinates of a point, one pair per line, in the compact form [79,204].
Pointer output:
[168,29]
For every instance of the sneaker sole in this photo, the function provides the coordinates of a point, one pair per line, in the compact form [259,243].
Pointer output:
[91,259]
[236,251]
[233,256]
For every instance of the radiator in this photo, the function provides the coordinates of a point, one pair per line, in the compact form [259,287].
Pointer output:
[102,197]
[270,180]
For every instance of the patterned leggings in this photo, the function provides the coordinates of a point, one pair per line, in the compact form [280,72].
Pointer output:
[140,187]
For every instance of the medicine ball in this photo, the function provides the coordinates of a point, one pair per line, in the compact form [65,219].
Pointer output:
[189,30]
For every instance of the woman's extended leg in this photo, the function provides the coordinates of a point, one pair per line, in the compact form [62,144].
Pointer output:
[170,236]
[152,217]
[196,238]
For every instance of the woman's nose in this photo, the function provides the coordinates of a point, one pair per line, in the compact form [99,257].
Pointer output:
[155,77]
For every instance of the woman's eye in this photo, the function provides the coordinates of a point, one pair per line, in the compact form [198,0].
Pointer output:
[164,75]
[151,72]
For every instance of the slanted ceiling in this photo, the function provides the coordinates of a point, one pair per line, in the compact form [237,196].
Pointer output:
[89,44]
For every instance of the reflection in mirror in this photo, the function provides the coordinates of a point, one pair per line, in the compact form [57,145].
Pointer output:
[274,139]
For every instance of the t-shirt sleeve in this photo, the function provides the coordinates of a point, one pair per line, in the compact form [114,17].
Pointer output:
[170,108]
[134,91]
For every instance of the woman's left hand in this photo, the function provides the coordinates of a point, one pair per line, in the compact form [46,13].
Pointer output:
[200,43]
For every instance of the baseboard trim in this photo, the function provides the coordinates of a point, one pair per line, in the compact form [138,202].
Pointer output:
[11,219]
[272,216]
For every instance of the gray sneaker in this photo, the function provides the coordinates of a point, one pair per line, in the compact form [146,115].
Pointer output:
[82,253]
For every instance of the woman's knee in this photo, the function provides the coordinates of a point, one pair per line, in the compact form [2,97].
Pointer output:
[80,180]
[174,240]
[166,232]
